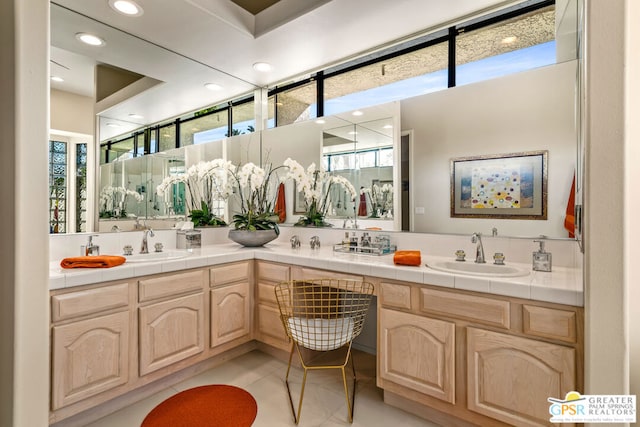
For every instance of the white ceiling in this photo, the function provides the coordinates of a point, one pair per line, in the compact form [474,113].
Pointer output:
[186,43]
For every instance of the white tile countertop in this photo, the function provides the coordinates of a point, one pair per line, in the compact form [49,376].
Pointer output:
[563,285]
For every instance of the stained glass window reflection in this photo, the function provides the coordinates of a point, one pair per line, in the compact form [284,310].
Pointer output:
[81,187]
[57,186]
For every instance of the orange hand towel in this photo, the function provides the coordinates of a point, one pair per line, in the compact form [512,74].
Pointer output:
[407,258]
[570,219]
[100,261]
[281,206]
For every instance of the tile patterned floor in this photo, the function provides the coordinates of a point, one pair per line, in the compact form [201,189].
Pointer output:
[263,376]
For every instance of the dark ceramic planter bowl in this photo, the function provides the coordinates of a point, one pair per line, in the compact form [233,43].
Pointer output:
[252,238]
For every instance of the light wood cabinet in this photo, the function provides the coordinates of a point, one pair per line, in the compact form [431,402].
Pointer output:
[230,313]
[485,359]
[90,342]
[171,331]
[510,378]
[231,303]
[89,357]
[418,352]
[269,328]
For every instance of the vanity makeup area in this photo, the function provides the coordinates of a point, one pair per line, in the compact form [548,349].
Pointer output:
[452,343]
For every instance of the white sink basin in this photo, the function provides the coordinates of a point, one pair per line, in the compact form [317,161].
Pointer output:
[473,269]
[157,256]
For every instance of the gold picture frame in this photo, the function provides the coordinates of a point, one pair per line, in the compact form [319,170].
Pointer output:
[504,186]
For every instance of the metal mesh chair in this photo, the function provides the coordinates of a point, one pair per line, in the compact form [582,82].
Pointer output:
[320,316]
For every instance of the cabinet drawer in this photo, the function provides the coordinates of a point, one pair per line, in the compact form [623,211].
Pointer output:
[393,295]
[549,323]
[173,284]
[273,272]
[76,304]
[266,293]
[229,273]
[489,311]
[312,273]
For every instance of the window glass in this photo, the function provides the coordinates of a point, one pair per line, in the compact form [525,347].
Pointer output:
[342,161]
[244,120]
[167,137]
[81,187]
[121,150]
[202,129]
[415,73]
[510,46]
[103,154]
[297,104]
[325,163]
[366,159]
[385,157]
[57,186]
[271,112]
[139,147]
[153,141]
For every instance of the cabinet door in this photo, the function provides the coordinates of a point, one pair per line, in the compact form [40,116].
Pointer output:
[171,331]
[89,357]
[270,328]
[510,378]
[418,352]
[230,313]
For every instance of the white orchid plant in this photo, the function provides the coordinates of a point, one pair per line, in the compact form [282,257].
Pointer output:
[256,192]
[315,184]
[381,200]
[113,201]
[206,183]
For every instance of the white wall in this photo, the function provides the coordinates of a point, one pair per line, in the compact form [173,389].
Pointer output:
[300,141]
[71,112]
[606,351]
[532,110]
[24,313]
[632,177]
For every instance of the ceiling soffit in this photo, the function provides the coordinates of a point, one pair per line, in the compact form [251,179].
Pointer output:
[255,6]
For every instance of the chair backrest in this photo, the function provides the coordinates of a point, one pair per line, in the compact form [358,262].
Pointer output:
[323,314]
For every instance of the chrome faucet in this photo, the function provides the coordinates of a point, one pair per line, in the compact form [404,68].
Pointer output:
[477,239]
[352,221]
[90,249]
[145,246]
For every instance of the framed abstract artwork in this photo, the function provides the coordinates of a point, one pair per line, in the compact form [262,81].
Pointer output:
[507,186]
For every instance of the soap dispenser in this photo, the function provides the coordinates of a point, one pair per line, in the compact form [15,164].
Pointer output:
[541,259]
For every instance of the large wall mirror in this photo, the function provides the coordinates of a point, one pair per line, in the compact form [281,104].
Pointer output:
[399,154]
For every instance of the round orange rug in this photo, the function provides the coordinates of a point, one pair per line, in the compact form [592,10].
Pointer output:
[209,405]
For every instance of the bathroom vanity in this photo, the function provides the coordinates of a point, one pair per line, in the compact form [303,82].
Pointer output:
[448,349]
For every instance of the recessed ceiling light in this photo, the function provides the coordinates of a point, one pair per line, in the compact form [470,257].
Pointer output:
[320,121]
[353,132]
[126,7]
[213,86]
[262,66]
[57,79]
[508,40]
[387,127]
[357,113]
[113,125]
[136,116]
[90,39]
